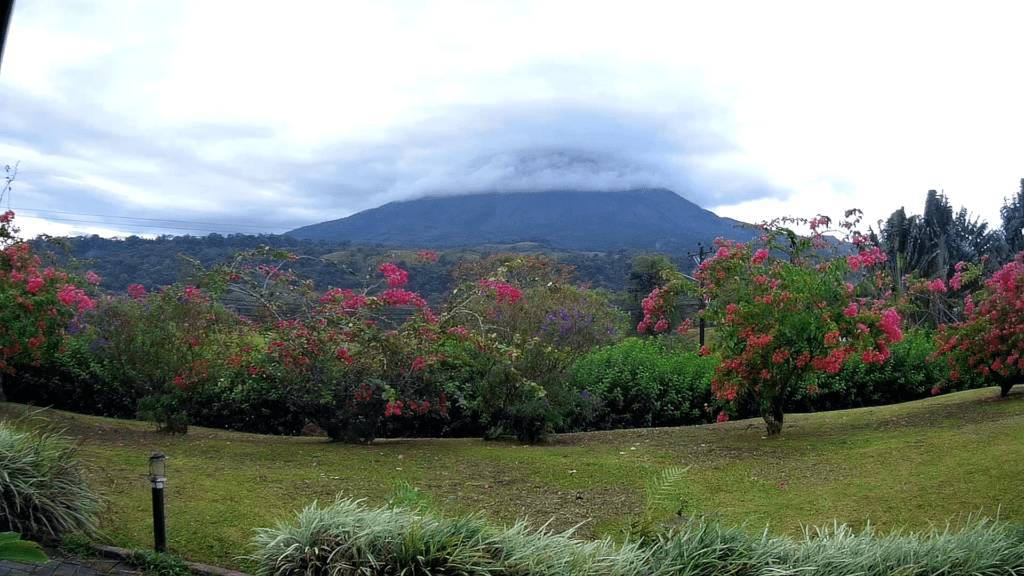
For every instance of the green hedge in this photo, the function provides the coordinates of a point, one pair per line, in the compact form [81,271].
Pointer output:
[651,382]
[645,382]
[907,375]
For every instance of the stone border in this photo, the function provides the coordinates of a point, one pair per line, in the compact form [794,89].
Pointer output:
[127,555]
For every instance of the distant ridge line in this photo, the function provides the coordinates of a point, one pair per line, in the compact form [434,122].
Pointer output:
[634,220]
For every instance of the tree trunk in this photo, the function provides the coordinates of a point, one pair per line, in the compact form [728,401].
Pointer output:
[3,398]
[1004,388]
[773,417]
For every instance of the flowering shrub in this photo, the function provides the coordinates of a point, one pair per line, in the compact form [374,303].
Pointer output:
[355,363]
[426,256]
[163,346]
[990,339]
[352,362]
[534,323]
[8,232]
[522,271]
[779,318]
[36,303]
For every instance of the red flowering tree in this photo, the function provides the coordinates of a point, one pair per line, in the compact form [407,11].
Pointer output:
[780,312]
[36,303]
[990,339]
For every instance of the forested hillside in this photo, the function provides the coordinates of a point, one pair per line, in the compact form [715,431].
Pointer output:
[926,246]
[159,261]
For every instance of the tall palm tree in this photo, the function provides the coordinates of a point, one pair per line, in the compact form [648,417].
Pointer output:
[1012,214]
[972,240]
[919,245]
[929,246]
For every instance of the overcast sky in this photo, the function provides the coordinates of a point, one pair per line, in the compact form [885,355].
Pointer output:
[178,117]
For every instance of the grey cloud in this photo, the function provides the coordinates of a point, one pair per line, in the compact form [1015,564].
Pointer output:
[242,177]
[158,173]
[554,145]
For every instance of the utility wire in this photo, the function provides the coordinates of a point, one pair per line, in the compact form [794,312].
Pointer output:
[195,226]
[143,219]
[121,225]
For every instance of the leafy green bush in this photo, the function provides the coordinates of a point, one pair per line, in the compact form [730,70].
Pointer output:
[12,547]
[42,490]
[83,381]
[246,403]
[644,382]
[641,383]
[78,380]
[542,324]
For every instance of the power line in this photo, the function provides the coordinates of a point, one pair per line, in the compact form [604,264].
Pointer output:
[139,218]
[195,226]
[120,225]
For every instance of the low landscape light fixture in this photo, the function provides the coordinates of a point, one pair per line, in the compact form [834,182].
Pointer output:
[157,470]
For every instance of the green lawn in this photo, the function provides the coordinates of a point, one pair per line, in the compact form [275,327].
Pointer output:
[910,466]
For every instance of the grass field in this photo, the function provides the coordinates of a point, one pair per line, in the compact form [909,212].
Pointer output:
[910,466]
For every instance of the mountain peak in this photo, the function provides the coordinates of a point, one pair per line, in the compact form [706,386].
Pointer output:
[635,220]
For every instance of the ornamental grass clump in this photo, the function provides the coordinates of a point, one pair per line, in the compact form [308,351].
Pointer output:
[347,538]
[711,548]
[982,547]
[43,493]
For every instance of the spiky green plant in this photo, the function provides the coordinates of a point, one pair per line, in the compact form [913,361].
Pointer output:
[347,538]
[43,492]
[983,547]
[161,564]
[711,548]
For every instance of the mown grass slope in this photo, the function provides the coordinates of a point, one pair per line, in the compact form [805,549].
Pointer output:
[909,466]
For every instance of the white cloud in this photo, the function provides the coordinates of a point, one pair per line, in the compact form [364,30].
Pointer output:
[261,114]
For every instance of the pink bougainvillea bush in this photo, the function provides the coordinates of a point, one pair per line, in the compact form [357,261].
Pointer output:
[782,311]
[36,303]
[347,361]
[990,340]
[162,346]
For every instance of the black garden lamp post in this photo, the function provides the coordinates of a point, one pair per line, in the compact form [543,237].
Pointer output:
[157,466]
